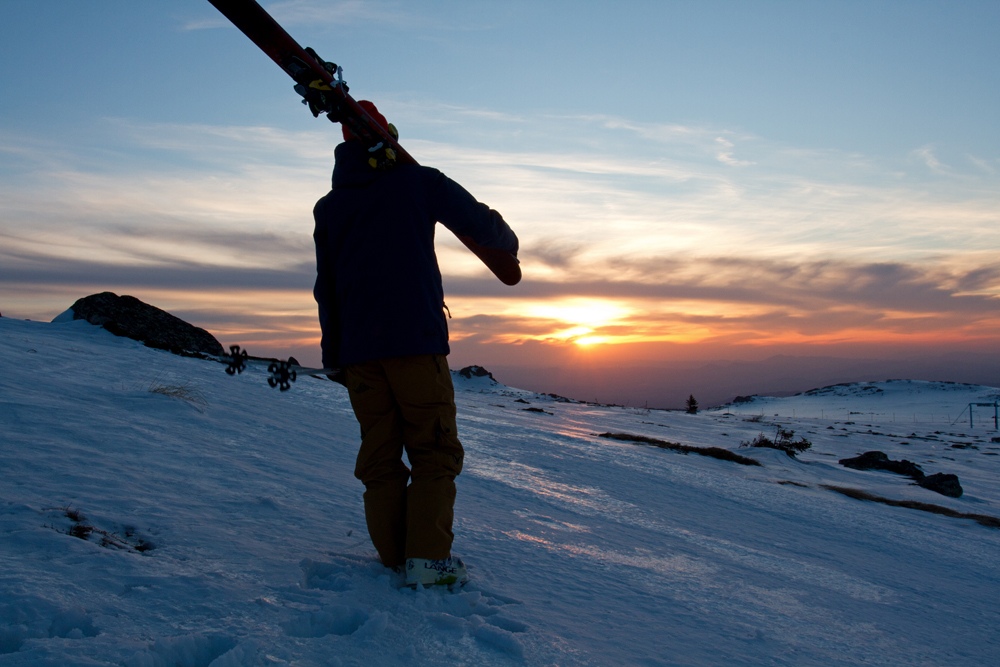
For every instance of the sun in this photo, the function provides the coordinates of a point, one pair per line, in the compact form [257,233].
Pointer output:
[591,340]
[581,319]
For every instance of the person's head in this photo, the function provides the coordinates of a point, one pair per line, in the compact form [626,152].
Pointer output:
[374,113]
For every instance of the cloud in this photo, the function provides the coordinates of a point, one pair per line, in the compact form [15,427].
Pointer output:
[554,253]
[231,146]
[596,201]
[926,155]
[232,197]
[740,301]
[807,246]
[679,197]
[21,269]
[982,164]
[207,24]
[898,286]
[725,154]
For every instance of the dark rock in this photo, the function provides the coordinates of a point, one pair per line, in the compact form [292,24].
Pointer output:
[879,461]
[470,372]
[945,484]
[904,467]
[744,399]
[129,317]
[866,461]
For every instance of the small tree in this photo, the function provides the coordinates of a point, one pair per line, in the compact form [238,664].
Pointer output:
[692,405]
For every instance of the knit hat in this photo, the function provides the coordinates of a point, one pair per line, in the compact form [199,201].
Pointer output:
[373,112]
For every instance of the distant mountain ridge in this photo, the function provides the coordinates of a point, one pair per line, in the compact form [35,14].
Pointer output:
[884,401]
[668,384]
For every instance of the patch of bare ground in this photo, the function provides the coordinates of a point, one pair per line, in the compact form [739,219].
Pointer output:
[125,538]
[858,494]
[714,452]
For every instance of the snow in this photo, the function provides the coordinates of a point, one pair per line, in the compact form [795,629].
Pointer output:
[893,401]
[226,527]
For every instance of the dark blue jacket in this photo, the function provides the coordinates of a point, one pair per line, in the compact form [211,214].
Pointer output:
[378,285]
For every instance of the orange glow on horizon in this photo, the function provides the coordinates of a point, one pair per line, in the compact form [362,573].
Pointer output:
[591,340]
[596,327]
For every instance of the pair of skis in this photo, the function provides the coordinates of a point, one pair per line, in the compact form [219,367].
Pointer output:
[322,87]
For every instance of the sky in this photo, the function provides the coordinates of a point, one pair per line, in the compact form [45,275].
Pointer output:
[693,184]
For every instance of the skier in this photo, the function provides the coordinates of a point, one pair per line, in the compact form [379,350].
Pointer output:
[381,310]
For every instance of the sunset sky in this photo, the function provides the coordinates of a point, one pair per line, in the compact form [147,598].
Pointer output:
[692,182]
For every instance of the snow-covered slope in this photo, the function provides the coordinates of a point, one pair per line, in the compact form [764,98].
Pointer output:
[900,402]
[226,528]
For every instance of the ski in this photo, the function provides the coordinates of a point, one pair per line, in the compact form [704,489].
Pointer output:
[323,89]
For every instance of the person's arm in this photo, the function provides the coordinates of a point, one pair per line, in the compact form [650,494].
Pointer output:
[460,212]
[325,292]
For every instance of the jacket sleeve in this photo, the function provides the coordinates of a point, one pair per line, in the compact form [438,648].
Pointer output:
[325,292]
[456,209]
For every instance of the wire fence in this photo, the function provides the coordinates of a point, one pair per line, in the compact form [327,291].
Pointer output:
[968,416]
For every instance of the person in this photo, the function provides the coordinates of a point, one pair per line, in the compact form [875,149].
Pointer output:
[381,310]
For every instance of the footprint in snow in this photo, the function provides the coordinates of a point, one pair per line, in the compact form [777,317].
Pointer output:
[363,598]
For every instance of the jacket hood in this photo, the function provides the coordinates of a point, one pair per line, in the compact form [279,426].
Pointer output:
[351,168]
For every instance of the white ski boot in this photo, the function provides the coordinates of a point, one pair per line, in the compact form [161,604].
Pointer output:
[443,572]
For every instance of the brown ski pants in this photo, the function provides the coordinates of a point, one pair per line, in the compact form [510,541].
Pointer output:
[407,402]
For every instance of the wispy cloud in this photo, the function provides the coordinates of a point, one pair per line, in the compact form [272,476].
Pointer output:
[725,154]
[795,245]
[926,155]
[748,301]
[984,164]
[207,23]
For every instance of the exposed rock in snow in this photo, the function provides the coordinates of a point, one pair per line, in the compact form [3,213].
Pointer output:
[943,483]
[879,461]
[470,372]
[129,317]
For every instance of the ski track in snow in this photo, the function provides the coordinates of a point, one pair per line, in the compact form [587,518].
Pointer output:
[582,550]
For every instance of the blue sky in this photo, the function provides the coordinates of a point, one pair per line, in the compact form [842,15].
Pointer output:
[878,77]
[710,179]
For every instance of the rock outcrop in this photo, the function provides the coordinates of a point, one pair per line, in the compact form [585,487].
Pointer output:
[129,317]
[943,483]
[879,461]
[470,372]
